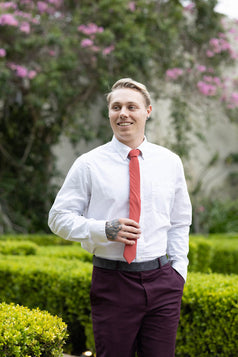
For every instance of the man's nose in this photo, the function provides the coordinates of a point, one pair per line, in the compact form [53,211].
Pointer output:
[123,113]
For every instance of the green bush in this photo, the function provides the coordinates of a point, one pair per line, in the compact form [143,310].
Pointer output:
[59,286]
[27,333]
[209,317]
[39,239]
[62,287]
[18,248]
[216,253]
[66,252]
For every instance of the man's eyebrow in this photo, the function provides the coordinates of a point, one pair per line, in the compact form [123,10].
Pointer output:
[117,102]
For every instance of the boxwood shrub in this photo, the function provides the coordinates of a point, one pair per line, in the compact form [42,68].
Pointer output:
[59,286]
[39,239]
[209,316]
[25,332]
[13,247]
[215,254]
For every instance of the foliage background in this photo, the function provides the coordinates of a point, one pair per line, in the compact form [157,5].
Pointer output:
[57,58]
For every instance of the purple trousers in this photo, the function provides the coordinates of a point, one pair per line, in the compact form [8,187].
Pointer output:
[136,312]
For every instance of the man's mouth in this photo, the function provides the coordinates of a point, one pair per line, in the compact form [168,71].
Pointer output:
[124,124]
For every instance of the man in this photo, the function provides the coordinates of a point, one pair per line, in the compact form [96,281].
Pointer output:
[135,305]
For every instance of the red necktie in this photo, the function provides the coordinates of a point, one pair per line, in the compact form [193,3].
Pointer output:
[135,202]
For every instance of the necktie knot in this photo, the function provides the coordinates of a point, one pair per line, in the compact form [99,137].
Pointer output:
[134,153]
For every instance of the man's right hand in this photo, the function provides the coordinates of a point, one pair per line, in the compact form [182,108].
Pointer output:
[123,230]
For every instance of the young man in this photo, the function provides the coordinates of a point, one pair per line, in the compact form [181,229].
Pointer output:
[135,305]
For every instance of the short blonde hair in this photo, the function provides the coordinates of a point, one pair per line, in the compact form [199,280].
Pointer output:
[130,83]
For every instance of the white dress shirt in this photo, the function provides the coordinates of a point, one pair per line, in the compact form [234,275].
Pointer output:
[96,190]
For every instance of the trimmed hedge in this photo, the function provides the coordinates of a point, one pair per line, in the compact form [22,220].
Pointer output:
[216,254]
[39,239]
[66,252]
[18,247]
[59,286]
[209,316]
[27,333]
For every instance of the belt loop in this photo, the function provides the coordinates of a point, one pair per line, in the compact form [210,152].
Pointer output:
[160,265]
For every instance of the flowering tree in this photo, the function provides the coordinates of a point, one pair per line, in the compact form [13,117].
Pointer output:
[57,57]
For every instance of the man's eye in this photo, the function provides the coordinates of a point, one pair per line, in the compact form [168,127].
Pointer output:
[132,107]
[115,107]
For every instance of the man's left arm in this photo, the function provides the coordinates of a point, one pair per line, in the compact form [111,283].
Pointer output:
[180,219]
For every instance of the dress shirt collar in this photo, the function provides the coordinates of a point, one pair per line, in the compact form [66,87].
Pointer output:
[124,150]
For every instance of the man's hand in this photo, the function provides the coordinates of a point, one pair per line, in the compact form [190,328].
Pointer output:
[123,230]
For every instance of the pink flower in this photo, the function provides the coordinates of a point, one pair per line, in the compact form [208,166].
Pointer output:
[8,19]
[174,73]
[21,71]
[206,88]
[189,7]
[32,74]
[52,53]
[2,52]
[132,5]
[42,6]
[90,29]
[201,68]
[108,50]
[25,27]
[233,100]
[209,53]
[8,5]
[86,42]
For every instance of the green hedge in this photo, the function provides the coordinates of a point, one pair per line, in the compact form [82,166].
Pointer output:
[59,286]
[209,308]
[39,239]
[217,254]
[27,333]
[209,317]
[66,252]
[18,247]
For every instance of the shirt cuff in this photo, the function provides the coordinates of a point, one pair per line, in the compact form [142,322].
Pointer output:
[97,231]
[180,268]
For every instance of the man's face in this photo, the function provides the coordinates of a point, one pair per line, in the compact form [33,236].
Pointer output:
[128,114]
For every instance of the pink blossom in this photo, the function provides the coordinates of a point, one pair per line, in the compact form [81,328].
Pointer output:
[42,6]
[21,71]
[25,15]
[86,42]
[2,52]
[108,50]
[8,5]
[32,74]
[217,81]
[95,48]
[132,5]
[25,27]
[209,53]
[8,19]
[201,209]
[52,53]
[189,7]
[90,29]
[233,101]
[201,68]
[206,88]
[174,73]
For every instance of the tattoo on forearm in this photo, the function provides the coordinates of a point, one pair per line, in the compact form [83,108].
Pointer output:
[112,228]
